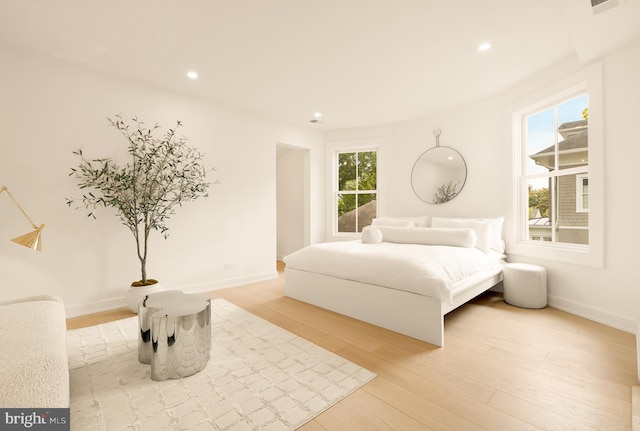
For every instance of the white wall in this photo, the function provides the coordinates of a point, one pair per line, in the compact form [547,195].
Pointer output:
[481,133]
[49,107]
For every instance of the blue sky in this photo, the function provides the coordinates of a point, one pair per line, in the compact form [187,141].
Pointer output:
[541,127]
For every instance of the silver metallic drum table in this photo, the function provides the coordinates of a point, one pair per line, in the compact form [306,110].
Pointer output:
[175,333]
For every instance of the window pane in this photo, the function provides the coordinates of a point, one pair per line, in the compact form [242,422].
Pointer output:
[346,212]
[556,210]
[570,140]
[572,224]
[540,142]
[367,170]
[347,171]
[573,141]
[356,210]
[366,209]
[539,211]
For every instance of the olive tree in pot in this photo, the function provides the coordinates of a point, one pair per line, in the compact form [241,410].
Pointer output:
[162,173]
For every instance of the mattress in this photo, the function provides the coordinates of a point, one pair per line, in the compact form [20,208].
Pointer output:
[431,270]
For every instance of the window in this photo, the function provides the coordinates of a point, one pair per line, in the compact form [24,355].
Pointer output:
[356,194]
[558,148]
[582,193]
[555,150]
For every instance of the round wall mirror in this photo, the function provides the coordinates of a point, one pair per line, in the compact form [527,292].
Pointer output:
[438,175]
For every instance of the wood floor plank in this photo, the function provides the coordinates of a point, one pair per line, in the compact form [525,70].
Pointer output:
[423,410]
[543,419]
[377,414]
[526,382]
[635,396]
[502,367]
[424,371]
[475,414]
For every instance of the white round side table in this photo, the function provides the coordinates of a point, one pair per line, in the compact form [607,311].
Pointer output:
[525,285]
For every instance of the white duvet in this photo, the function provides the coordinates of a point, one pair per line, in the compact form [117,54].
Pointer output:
[430,270]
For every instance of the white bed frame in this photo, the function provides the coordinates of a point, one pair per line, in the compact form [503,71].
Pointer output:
[408,313]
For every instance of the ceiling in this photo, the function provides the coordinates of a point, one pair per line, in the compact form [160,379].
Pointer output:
[359,62]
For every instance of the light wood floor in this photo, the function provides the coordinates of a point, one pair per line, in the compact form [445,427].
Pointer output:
[503,368]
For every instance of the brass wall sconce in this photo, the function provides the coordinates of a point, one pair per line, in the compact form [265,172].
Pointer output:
[32,239]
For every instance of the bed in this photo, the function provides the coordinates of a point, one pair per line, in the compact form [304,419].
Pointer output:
[404,274]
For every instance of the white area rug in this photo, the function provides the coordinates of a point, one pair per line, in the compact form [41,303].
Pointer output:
[260,377]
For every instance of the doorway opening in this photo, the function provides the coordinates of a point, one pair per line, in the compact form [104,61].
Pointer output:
[292,199]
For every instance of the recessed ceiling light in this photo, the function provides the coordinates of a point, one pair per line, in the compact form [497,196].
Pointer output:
[192,75]
[484,46]
[318,114]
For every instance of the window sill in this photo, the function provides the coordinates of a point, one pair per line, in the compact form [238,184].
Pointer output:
[567,253]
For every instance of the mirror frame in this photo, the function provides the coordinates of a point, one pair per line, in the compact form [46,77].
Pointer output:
[422,194]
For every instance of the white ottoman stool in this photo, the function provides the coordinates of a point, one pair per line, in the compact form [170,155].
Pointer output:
[525,285]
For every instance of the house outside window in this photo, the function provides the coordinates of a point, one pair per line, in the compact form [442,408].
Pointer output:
[356,194]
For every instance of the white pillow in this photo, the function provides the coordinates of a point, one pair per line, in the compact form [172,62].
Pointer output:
[497,243]
[464,237]
[419,221]
[482,228]
[371,235]
[495,235]
[392,221]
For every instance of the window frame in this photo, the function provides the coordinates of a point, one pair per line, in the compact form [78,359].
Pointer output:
[332,147]
[587,80]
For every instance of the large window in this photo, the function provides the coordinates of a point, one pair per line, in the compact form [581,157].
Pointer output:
[555,149]
[558,204]
[356,194]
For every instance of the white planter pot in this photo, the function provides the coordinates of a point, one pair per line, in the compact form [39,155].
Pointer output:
[135,294]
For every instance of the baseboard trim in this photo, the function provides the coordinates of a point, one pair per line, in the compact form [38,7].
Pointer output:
[115,303]
[95,307]
[595,314]
[231,282]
